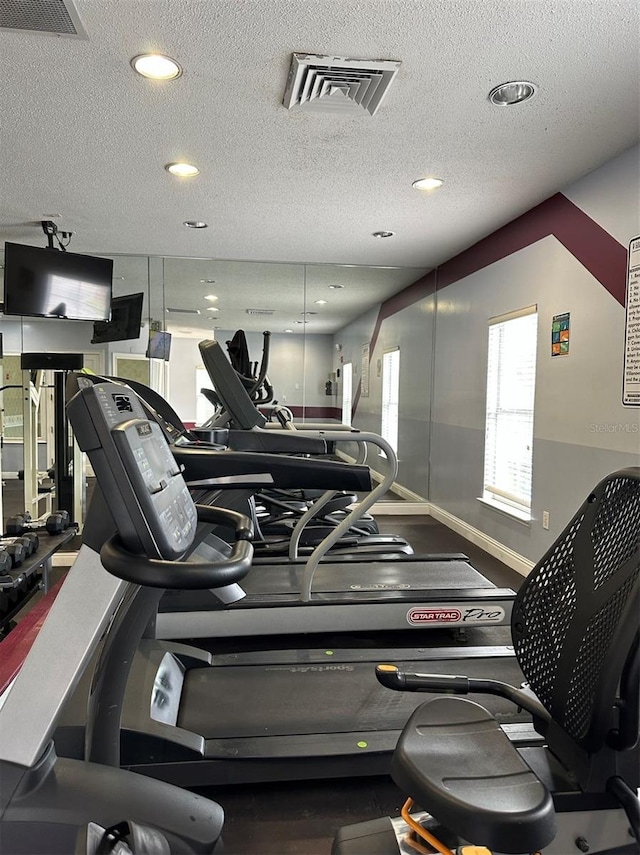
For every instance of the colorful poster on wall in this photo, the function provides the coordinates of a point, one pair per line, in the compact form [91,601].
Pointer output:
[364,383]
[560,334]
[631,374]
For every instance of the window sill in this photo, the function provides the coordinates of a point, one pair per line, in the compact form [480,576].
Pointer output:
[519,516]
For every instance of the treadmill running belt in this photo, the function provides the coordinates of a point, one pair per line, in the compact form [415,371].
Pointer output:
[288,700]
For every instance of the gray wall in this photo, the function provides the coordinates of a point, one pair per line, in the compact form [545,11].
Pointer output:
[575,394]
[581,431]
[411,330]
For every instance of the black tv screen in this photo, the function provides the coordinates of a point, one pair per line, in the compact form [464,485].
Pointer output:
[47,283]
[125,323]
[159,345]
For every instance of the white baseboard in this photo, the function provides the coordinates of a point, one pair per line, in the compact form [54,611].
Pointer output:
[493,547]
[415,504]
[419,505]
[400,509]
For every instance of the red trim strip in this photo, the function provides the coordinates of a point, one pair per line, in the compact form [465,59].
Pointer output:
[15,647]
[602,255]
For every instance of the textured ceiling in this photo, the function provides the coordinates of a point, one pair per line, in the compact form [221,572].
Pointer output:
[83,137]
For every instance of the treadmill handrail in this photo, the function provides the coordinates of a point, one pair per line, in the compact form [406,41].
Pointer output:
[191,574]
[316,507]
[333,537]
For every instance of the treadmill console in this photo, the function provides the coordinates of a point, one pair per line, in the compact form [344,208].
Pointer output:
[141,482]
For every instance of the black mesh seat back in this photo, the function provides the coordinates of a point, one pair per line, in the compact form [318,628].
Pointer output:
[577,614]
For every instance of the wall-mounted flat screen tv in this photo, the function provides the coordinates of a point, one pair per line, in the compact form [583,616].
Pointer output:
[47,283]
[125,323]
[159,345]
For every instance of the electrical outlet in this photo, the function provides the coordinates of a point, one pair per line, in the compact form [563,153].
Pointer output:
[545,519]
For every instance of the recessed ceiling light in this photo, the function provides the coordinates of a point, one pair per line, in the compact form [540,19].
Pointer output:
[211,297]
[288,330]
[336,287]
[207,281]
[182,170]
[428,183]
[213,309]
[320,302]
[195,224]
[512,93]
[382,234]
[155,66]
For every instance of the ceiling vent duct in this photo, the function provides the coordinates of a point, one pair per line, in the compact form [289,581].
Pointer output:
[336,84]
[42,16]
[260,311]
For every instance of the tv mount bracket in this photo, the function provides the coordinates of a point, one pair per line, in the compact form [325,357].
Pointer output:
[51,231]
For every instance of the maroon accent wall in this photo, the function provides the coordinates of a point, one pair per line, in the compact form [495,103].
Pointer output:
[602,255]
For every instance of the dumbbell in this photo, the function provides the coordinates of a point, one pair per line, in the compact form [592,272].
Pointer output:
[29,540]
[55,523]
[17,552]
[5,561]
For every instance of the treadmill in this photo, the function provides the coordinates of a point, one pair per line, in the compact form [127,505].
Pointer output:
[412,593]
[312,595]
[192,720]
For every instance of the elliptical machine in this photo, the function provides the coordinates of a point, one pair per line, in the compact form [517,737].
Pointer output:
[51,805]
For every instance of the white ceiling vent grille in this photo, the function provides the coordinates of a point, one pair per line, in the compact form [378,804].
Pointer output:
[44,16]
[336,84]
[182,311]
[260,311]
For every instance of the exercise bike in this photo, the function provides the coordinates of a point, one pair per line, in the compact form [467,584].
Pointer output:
[575,628]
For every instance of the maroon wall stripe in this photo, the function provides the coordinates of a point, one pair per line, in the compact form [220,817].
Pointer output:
[602,255]
[589,243]
[300,412]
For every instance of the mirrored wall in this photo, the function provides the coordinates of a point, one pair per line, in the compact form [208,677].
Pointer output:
[329,352]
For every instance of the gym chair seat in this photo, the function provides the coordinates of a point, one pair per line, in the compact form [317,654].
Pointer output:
[454,757]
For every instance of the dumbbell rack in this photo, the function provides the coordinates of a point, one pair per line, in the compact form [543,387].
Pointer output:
[29,578]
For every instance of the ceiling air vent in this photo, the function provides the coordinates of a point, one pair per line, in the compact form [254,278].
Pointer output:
[336,84]
[260,311]
[43,16]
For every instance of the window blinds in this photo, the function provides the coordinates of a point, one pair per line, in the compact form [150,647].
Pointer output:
[390,396]
[347,393]
[511,374]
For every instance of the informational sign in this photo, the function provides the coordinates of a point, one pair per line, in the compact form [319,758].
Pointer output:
[631,374]
[364,382]
[560,334]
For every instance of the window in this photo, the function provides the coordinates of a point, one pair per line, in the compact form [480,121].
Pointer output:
[511,375]
[347,393]
[204,407]
[390,396]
